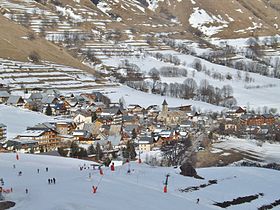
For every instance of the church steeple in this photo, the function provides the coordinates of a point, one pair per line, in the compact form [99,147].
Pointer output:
[164,106]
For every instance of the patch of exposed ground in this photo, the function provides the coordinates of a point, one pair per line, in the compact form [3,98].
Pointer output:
[238,201]
[220,157]
[6,205]
[270,206]
[195,188]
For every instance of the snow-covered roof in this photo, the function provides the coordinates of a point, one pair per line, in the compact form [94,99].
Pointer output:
[36,96]
[4,94]
[165,133]
[24,141]
[115,129]
[84,113]
[32,133]
[99,104]
[13,99]
[2,125]
[48,99]
[133,106]
[145,140]
[82,133]
[110,111]
[158,130]
[88,127]
[129,128]
[52,92]
[115,139]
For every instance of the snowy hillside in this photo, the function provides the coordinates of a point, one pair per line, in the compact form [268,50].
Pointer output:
[104,32]
[17,119]
[133,96]
[142,189]
[261,151]
[253,95]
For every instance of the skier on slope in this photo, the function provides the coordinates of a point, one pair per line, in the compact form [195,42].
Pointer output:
[128,170]
[112,167]
[100,170]
[94,189]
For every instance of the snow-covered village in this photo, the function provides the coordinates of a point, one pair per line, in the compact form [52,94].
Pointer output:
[139,104]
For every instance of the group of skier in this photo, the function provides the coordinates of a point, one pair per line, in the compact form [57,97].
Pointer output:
[52,181]
[94,187]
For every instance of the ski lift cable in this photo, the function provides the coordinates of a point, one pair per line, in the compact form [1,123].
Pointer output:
[99,182]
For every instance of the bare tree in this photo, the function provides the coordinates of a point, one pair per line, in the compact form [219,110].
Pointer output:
[31,36]
[190,88]
[154,74]
[254,48]
[34,57]
[197,64]
[274,42]
[170,71]
[42,32]
[276,67]
[230,102]
[203,89]
[25,19]
[174,151]
[227,91]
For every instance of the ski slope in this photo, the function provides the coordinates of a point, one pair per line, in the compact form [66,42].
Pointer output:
[142,189]
[17,119]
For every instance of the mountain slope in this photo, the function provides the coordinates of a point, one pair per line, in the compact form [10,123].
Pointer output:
[221,18]
[81,24]
[225,19]
[15,45]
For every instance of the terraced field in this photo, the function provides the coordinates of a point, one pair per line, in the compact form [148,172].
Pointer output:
[20,76]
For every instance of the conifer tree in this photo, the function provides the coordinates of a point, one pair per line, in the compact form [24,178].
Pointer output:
[49,110]
[91,150]
[74,149]
[94,117]
[99,152]
[129,151]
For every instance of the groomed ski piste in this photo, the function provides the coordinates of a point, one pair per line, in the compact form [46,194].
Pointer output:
[141,189]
